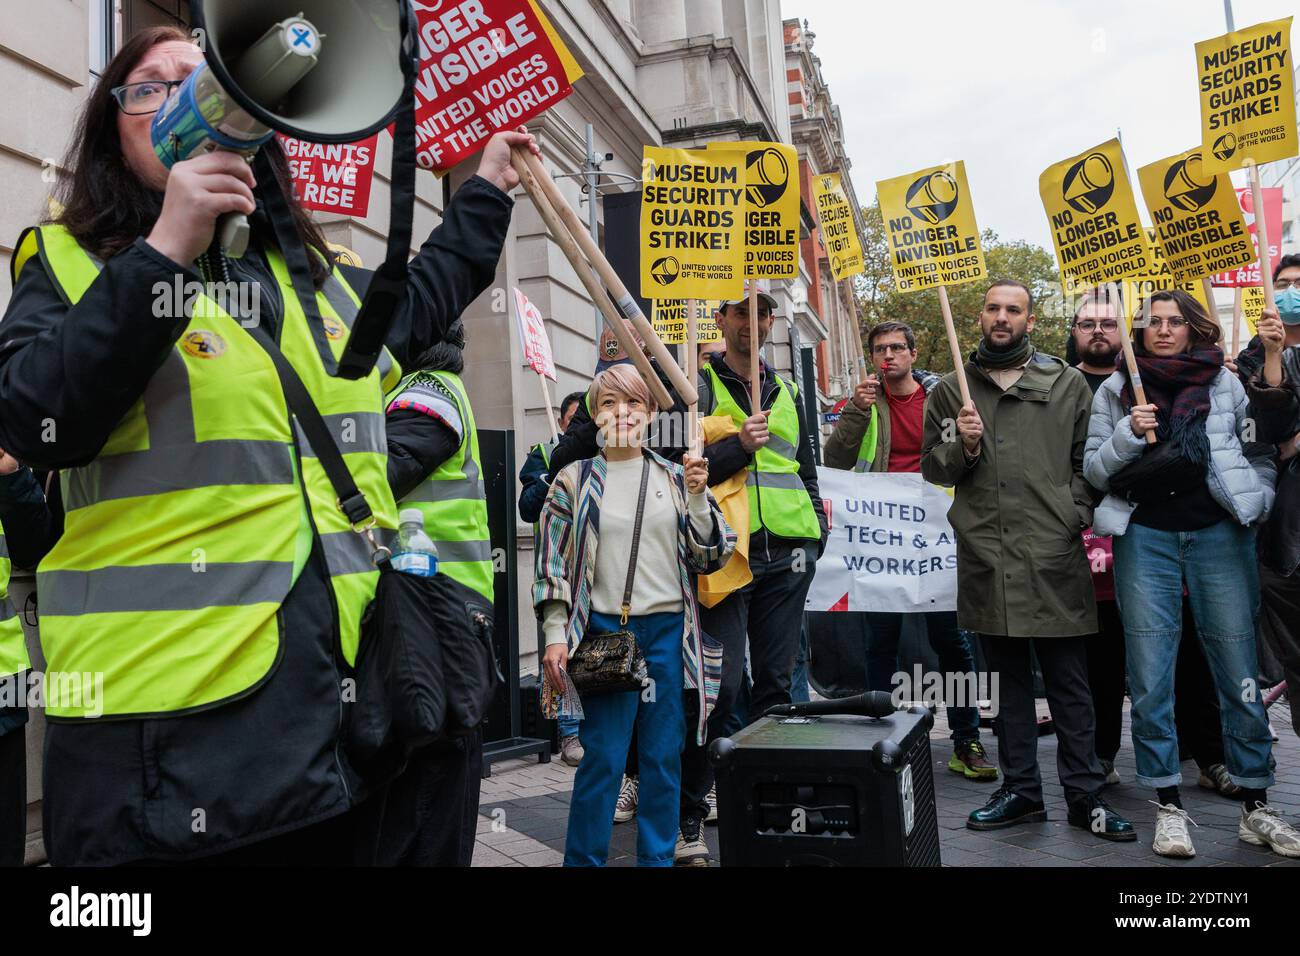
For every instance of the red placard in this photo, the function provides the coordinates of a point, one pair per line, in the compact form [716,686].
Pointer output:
[533,338]
[1249,275]
[485,65]
[332,177]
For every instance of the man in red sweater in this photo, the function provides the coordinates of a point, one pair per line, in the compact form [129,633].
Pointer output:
[894,445]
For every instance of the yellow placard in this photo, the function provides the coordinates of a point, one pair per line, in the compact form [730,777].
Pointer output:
[1252,306]
[930,225]
[1158,276]
[839,229]
[771,209]
[1247,83]
[1199,225]
[669,321]
[1093,217]
[692,224]
[572,71]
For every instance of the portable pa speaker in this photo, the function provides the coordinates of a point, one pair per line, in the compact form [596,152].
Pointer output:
[828,790]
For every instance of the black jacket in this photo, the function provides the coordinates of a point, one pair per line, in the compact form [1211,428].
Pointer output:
[728,456]
[1276,411]
[118,791]
[534,483]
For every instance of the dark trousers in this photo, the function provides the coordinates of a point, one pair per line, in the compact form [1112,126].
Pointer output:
[13,796]
[1280,627]
[1064,662]
[947,640]
[1105,651]
[769,611]
[428,815]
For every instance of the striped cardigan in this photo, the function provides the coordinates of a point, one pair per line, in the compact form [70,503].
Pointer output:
[568,535]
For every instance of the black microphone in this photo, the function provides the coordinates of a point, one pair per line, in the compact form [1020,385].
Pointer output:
[874,703]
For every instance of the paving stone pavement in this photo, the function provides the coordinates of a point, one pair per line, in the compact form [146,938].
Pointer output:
[524,810]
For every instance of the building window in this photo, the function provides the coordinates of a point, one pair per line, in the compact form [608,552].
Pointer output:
[102,41]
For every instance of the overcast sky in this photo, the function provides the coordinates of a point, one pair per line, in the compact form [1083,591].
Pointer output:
[1012,86]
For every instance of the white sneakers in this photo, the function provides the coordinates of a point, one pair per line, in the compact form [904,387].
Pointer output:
[1264,826]
[1172,836]
[628,794]
[571,751]
[711,798]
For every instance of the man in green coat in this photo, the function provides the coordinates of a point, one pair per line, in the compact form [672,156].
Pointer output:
[1015,458]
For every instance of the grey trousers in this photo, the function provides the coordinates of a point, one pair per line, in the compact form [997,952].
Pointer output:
[1064,662]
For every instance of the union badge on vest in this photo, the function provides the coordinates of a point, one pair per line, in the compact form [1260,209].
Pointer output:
[334,328]
[203,344]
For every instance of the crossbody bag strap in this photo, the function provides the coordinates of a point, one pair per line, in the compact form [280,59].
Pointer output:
[350,499]
[636,540]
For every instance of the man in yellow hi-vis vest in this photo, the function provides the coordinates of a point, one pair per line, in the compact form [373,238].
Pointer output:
[787,533]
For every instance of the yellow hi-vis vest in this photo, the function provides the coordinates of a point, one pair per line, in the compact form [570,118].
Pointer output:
[13,645]
[867,450]
[452,499]
[778,500]
[184,536]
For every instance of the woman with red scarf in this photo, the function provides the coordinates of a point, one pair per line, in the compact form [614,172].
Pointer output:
[1184,512]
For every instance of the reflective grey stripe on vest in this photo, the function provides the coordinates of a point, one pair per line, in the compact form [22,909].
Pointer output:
[175,459]
[469,488]
[347,310]
[347,552]
[7,610]
[862,466]
[4,546]
[365,429]
[772,479]
[782,447]
[163,587]
[201,465]
[457,551]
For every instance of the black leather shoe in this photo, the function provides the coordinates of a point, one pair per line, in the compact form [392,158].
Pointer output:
[1093,814]
[1004,809]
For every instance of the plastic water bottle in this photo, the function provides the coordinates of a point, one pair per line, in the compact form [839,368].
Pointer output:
[416,553]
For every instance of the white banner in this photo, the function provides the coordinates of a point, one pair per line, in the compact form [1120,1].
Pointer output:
[890,546]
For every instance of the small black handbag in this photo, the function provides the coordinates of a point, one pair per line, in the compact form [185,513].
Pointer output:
[613,662]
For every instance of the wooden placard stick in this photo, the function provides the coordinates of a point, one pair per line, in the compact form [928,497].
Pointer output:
[1134,374]
[1272,360]
[564,238]
[1237,306]
[550,409]
[755,396]
[958,362]
[692,370]
[625,305]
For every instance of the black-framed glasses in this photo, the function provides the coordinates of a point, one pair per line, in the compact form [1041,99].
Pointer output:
[890,348]
[141,99]
[1088,326]
[1281,285]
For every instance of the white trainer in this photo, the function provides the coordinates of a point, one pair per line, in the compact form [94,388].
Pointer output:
[1172,836]
[628,795]
[1264,826]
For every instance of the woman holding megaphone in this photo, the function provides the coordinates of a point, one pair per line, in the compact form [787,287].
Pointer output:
[201,613]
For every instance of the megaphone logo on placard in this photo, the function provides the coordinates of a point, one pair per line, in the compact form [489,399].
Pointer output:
[1089,183]
[933,197]
[836,265]
[1186,184]
[666,270]
[1225,146]
[772,173]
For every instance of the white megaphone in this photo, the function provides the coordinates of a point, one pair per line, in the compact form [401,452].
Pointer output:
[327,71]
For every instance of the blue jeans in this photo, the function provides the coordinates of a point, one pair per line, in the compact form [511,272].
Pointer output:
[950,643]
[659,715]
[1218,566]
[568,726]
